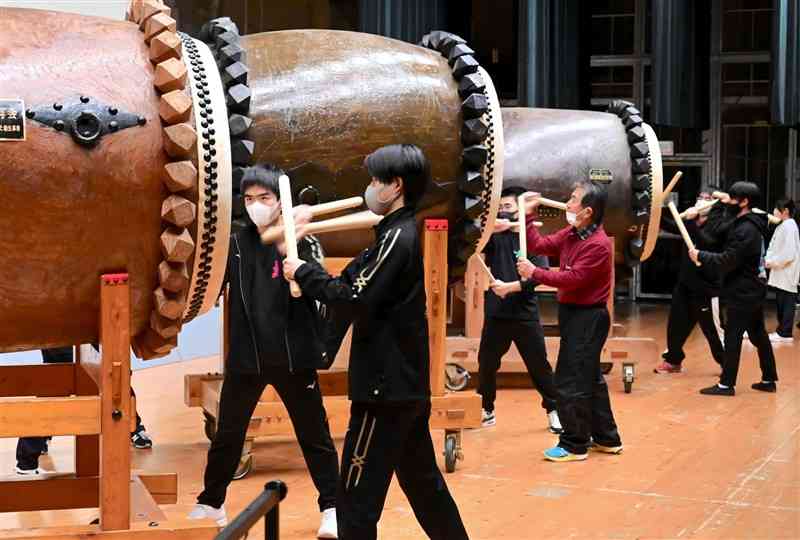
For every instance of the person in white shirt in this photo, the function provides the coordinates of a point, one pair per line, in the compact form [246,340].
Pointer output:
[783,261]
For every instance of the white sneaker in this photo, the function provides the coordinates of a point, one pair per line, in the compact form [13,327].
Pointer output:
[28,472]
[487,418]
[777,338]
[203,511]
[328,527]
[554,422]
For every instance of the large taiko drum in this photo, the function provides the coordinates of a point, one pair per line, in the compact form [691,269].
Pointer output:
[548,150]
[136,137]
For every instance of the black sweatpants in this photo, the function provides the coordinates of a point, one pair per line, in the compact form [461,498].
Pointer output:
[687,309]
[383,440]
[785,302]
[528,336]
[303,400]
[584,407]
[741,318]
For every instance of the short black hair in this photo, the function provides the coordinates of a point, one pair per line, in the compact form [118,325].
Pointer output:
[514,191]
[786,204]
[406,161]
[265,175]
[595,196]
[746,190]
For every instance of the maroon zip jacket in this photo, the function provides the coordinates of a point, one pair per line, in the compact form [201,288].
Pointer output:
[584,276]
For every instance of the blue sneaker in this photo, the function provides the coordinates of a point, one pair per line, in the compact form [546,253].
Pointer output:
[559,454]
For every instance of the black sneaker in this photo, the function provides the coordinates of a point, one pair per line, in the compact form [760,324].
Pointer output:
[141,440]
[717,390]
[765,387]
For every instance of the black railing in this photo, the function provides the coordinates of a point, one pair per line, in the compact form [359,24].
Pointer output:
[265,505]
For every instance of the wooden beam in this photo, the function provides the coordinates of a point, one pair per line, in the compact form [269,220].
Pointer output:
[168,530]
[115,391]
[143,506]
[87,447]
[55,491]
[456,411]
[45,380]
[89,361]
[435,260]
[43,417]
[162,486]
[193,387]
[48,492]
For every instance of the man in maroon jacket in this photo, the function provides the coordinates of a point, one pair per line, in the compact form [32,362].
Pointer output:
[584,283]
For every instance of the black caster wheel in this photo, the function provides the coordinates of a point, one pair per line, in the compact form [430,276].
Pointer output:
[210,426]
[450,452]
[244,468]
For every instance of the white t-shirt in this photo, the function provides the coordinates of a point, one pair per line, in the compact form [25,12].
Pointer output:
[783,256]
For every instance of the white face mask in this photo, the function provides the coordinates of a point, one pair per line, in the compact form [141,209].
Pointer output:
[374,201]
[572,217]
[261,214]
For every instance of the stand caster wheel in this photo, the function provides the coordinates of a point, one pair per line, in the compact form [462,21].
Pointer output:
[244,468]
[628,375]
[210,426]
[456,377]
[450,453]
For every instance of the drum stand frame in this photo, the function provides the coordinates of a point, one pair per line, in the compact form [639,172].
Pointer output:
[92,400]
[451,412]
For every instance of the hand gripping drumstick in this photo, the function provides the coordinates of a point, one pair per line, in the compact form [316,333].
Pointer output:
[681,227]
[289,236]
[700,208]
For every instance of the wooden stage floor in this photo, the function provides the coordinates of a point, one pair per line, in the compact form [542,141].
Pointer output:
[694,466]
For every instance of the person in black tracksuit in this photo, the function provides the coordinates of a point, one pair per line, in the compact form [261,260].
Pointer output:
[692,296]
[274,340]
[382,291]
[744,289]
[512,314]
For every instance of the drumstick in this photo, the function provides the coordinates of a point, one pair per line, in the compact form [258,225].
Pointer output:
[335,206]
[485,268]
[552,204]
[681,227]
[523,238]
[671,185]
[700,208]
[290,239]
[358,220]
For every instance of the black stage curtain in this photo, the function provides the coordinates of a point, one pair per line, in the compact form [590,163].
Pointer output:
[407,20]
[680,63]
[785,89]
[552,35]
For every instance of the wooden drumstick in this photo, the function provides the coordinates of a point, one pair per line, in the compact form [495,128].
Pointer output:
[671,185]
[335,206]
[358,220]
[681,227]
[483,266]
[552,204]
[523,238]
[285,188]
[700,208]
